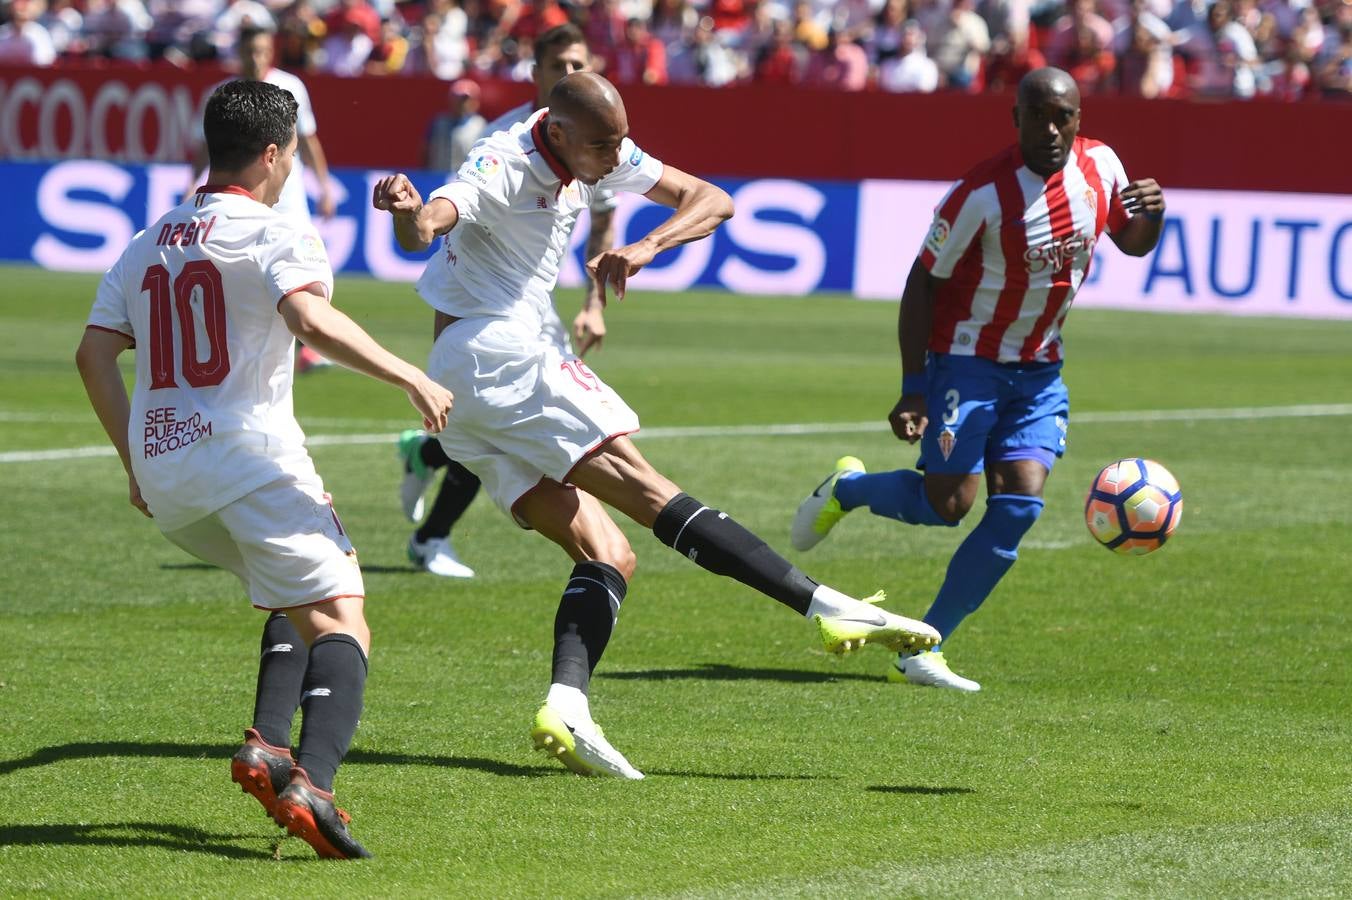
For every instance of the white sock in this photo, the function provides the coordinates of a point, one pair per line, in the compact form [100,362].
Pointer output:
[570,703]
[827,602]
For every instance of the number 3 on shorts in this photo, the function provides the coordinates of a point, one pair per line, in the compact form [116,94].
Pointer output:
[953,399]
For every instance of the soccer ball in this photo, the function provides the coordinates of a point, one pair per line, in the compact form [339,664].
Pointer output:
[1133,506]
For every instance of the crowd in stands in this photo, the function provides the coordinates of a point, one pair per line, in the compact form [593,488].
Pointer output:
[1290,49]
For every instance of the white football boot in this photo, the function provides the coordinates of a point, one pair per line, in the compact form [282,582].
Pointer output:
[931,670]
[438,557]
[580,746]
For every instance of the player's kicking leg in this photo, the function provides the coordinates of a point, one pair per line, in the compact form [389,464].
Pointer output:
[619,475]
[588,611]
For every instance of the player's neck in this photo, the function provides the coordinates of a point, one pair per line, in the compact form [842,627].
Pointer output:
[240,181]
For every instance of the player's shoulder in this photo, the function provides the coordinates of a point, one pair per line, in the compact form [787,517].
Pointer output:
[283,79]
[1091,147]
[504,122]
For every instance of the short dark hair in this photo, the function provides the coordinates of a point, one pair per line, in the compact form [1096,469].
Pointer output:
[243,118]
[558,37]
[248,32]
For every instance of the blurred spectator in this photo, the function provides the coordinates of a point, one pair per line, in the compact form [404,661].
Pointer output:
[453,132]
[180,30]
[1066,41]
[349,43]
[236,15]
[1147,66]
[300,33]
[116,29]
[911,71]
[806,29]
[673,23]
[1089,62]
[730,15]
[604,28]
[23,40]
[1187,13]
[65,26]
[1221,54]
[957,42]
[390,54]
[703,59]
[778,62]
[1290,79]
[1309,35]
[1335,68]
[640,57]
[441,49]
[840,65]
[538,18]
[885,39]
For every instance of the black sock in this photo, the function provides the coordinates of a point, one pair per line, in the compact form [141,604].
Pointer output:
[334,683]
[281,670]
[453,498]
[587,614]
[712,539]
[433,456]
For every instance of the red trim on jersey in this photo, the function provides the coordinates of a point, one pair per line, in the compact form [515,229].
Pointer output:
[537,134]
[1063,226]
[113,331]
[322,290]
[225,189]
[954,296]
[1013,246]
[312,602]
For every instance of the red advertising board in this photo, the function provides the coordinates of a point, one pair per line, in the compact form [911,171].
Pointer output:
[136,114]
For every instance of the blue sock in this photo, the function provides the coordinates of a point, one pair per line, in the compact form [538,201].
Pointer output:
[892,495]
[982,559]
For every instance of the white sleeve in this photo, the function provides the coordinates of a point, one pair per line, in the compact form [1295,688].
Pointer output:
[637,172]
[305,113]
[958,220]
[294,259]
[110,312]
[482,187]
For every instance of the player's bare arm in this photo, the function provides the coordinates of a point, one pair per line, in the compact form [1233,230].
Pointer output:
[910,415]
[589,326]
[311,318]
[96,359]
[1144,199]
[416,225]
[312,154]
[700,208]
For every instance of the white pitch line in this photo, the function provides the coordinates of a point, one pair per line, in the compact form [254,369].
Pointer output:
[1257,413]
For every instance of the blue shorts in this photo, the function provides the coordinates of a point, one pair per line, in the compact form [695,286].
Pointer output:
[981,412]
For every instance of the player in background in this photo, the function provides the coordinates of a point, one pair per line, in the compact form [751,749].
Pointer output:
[980,336]
[256,51]
[559,51]
[548,437]
[210,296]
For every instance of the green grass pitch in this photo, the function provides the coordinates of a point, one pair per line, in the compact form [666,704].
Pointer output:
[1177,725]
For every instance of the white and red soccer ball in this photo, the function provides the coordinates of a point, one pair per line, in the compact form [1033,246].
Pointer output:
[1133,506]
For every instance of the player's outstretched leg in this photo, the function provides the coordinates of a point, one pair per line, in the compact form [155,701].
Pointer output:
[310,814]
[714,541]
[262,766]
[979,563]
[588,611]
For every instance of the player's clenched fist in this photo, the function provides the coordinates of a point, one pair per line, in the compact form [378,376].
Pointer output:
[396,194]
[613,267]
[1144,196]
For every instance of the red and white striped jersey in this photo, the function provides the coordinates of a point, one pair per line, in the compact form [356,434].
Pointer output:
[1011,248]
[197,293]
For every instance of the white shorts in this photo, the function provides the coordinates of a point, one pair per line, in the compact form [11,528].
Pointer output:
[523,410]
[284,541]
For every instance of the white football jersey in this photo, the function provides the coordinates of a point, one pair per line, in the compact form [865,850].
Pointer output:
[211,414]
[517,206]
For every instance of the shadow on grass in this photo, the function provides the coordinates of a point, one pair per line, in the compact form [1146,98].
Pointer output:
[916,789]
[131,834]
[721,672]
[223,752]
